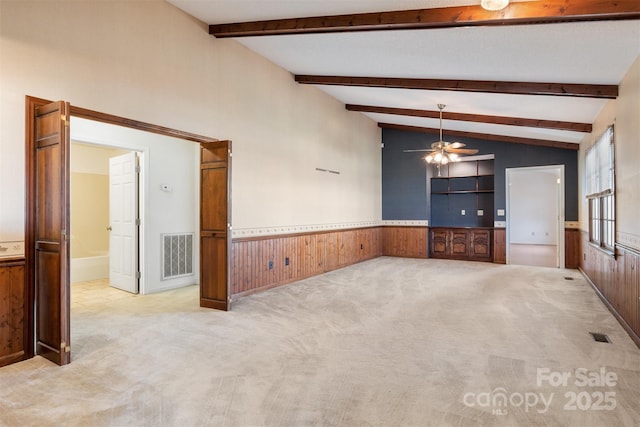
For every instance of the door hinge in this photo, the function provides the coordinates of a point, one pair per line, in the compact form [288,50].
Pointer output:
[137,274]
[64,347]
[64,234]
[138,222]
[137,168]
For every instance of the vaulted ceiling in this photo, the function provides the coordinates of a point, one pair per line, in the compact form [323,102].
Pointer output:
[537,72]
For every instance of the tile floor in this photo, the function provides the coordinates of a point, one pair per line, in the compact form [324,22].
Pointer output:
[85,295]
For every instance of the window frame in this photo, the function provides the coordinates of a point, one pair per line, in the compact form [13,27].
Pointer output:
[602,201]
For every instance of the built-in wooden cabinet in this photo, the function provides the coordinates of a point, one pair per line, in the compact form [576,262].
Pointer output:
[15,316]
[463,194]
[472,244]
[461,204]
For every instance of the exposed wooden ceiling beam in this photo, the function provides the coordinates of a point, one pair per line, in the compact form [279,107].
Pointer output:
[486,86]
[520,13]
[476,118]
[485,136]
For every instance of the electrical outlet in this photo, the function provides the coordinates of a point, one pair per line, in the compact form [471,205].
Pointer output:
[286,261]
[462,212]
[480,212]
[500,212]
[270,265]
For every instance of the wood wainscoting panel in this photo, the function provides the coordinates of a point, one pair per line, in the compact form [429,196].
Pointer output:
[500,245]
[260,263]
[409,242]
[15,331]
[572,248]
[616,280]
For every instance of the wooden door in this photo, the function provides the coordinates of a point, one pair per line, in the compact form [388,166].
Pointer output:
[48,235]
[215,224]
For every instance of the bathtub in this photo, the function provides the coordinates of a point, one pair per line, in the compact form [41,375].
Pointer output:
[89,268]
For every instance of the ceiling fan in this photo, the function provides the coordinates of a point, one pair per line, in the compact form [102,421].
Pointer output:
[443,152]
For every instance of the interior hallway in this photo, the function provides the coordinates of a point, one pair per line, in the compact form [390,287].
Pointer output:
[390,341]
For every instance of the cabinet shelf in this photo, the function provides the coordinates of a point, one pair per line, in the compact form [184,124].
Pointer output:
[461,176]
[462,192]
[464,195]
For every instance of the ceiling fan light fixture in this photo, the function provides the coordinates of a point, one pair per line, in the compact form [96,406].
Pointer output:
[442,152]
[494,4]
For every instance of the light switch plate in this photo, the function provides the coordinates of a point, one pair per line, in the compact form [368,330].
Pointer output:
[480,212]
[462,212]
[500,212]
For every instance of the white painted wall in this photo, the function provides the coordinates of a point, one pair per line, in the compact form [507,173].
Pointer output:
[149,61]
[533,206]
[624,113]
[165,160]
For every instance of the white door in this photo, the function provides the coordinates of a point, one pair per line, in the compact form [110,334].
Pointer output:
[123,222]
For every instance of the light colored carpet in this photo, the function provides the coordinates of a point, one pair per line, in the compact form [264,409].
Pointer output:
[388,342]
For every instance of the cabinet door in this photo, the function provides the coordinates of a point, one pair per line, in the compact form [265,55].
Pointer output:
[439,243]
[14,314]
[480,244]
[458,243]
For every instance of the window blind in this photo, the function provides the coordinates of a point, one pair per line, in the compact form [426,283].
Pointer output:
[599,172]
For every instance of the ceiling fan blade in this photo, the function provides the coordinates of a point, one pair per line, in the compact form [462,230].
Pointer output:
[461,150]
[456,145]
[414,151]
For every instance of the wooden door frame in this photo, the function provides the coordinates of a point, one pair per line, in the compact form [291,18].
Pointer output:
[31,104]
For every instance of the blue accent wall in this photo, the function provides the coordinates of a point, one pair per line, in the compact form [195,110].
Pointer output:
[404,177]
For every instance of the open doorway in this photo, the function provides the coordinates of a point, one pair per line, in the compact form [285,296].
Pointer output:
[101,200]
[535,216]
[168,194]
[47,234]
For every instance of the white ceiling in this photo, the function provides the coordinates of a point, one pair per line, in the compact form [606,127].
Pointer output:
[587,52]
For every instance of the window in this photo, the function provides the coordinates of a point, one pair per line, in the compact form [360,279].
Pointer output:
[600,182]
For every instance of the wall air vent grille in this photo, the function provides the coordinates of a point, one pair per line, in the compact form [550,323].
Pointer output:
[177,255]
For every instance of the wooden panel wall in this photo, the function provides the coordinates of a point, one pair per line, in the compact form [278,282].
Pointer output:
[500,245]
[265,262]
[15,315]
[617,280]
[409,242]
[572,248]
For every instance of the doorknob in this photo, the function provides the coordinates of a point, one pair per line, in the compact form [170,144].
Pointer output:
[109,228]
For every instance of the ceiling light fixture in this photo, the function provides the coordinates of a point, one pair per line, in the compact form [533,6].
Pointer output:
[443,152]
[494,4]
[439,156]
